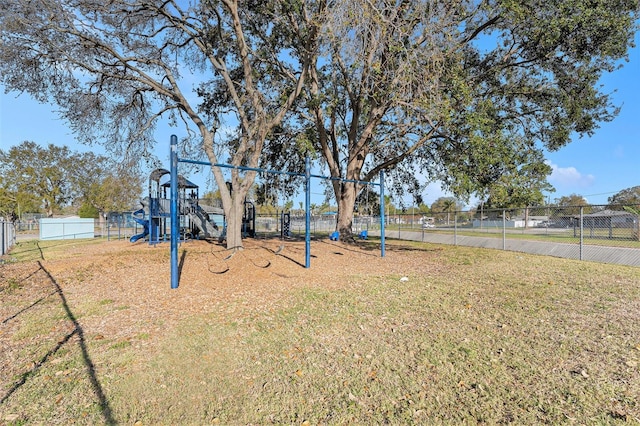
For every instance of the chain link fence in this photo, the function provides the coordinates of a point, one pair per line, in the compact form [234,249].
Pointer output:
[293,224]
[599,233]
[7,236]
[113,226]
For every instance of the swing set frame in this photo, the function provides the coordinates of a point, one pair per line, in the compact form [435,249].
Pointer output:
[175,224]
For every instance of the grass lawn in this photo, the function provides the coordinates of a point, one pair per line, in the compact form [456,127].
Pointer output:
[464,336]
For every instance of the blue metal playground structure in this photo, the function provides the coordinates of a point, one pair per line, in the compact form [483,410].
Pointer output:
[176,209]
[194,220]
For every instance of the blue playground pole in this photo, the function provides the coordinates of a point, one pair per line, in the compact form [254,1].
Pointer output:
[175,225]
[307,213]
[381,213]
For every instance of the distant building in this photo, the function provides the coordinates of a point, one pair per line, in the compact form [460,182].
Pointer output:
[610,219]
[514,222]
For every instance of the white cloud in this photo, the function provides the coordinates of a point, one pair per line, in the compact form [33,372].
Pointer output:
[569,176]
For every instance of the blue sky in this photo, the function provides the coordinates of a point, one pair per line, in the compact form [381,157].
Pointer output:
[595,167]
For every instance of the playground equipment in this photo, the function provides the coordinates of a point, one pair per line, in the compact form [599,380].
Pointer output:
[285,225]
[154,216]
[174,207]
[138,216]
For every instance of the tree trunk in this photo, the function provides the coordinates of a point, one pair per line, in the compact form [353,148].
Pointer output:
[346,204]
[48,207]
[232,201]
[234,222]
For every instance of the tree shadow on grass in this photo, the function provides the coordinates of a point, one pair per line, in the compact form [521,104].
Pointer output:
[17,250]
[79,332]
[354,246]
[394,244]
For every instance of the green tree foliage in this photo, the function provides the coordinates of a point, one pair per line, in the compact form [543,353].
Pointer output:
[443,208]
[628,196]
[118,190]
[572,200]
[468,93]
[368,201]
[424,208]
[43,173]
[36,178]
[88,211]
[522,183]
[572,204]
[14,202]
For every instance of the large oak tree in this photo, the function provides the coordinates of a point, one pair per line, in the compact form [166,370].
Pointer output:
[626,196]
[466,92]
[117,67]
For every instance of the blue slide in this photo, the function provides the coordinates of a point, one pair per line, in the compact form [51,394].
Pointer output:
[143,222]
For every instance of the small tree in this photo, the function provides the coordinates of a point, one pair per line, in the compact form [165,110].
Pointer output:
[88,211]
[626,196]
[446,205]
[571,204]
[43,172]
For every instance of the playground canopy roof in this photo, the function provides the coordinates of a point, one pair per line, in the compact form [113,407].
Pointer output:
[157,174]
[182,183]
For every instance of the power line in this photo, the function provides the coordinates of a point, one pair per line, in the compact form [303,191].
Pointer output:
[602,193]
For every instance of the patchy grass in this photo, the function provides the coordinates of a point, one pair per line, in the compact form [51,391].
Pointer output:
[490,337]
[33,250]
[524,345]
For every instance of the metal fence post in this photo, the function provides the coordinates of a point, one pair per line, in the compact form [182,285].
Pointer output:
[455,228]
[581,230]
[307,212]
[382,216]
[504,229]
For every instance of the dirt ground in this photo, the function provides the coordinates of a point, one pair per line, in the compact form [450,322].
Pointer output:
[134,281]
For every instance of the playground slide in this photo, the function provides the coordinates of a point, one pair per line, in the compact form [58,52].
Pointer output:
[207,228]
[143,222]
